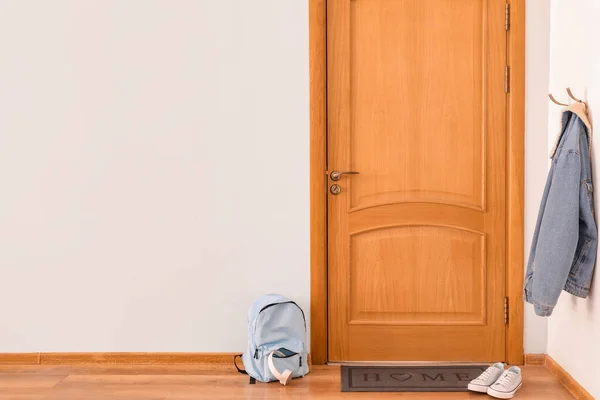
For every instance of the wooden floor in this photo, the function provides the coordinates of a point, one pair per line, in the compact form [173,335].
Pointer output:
[137,382]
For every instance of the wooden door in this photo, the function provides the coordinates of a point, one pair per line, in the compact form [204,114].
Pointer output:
[416,240]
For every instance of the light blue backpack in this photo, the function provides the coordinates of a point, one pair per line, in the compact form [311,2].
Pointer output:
[276,341]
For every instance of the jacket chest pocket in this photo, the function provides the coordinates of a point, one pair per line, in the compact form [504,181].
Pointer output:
[581,253]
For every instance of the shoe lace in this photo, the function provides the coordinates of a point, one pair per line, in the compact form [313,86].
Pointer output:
[505,379]
[487,373]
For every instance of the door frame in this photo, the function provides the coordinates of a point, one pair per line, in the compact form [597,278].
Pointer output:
[515,192]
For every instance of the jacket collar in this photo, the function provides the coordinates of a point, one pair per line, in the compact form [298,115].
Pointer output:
[579,109]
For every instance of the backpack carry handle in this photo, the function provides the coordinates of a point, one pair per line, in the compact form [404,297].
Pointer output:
[284,378]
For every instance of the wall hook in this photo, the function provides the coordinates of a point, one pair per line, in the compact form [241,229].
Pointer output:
[556,101]
[573,97]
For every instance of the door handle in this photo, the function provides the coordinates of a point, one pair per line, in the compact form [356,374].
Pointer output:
[337,175]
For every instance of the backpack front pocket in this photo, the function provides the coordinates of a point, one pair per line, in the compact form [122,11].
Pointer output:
[293,361]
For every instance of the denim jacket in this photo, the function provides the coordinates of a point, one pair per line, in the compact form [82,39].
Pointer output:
[563,250]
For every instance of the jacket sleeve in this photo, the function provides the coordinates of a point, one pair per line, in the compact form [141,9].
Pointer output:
[558,236]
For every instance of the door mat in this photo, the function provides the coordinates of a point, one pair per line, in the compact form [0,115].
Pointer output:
[418,378]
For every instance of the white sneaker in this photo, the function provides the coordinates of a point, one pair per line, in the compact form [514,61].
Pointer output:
[507,385]
[487,378]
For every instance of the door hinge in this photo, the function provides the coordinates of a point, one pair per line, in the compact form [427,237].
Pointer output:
[506,79]
[506,310]
[507,16]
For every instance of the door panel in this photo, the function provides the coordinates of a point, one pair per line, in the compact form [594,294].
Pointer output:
[416,104]
[449,290]
[429,112]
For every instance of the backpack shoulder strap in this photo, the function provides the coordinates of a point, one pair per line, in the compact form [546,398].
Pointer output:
[242,371]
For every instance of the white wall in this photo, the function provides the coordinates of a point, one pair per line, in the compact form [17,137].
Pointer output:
[537,47]
[154,169]
[574,327]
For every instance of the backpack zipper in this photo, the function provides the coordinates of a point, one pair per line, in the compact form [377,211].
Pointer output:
[284,302]
[291,355]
